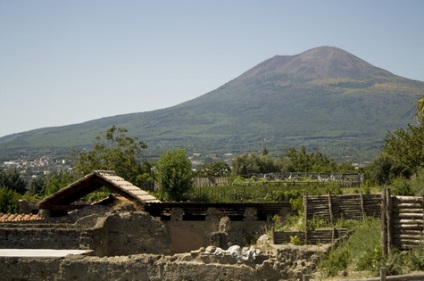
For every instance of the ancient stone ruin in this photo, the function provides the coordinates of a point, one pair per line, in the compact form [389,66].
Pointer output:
[133,236]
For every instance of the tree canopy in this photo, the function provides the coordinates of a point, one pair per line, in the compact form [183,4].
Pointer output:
[406,147]
[115,150]
[213,169]
[174,174]
[11,179]
[314,162]
[295,161]
[253,163]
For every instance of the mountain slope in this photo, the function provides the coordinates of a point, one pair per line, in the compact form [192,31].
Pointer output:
[323,98]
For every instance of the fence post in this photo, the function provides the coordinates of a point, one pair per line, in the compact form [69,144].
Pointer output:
[382,273]
[383,223]
[330,208]
[422,204]
[364,213]
[305,206]
[389,221]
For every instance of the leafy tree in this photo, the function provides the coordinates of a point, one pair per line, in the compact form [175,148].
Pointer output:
[314,162]
[213,169]
[56,182]
[284,164]
[300,160]
[174,174]
[383,170]
[36,186]
[114,150]
[12,180]
[405,148]
[253,163]
[9,200]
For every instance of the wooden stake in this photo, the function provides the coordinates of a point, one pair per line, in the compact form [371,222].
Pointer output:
[389,222]
[422,203]
[305,206]
[383,223]
[383,273]
[364,214]
[330,208]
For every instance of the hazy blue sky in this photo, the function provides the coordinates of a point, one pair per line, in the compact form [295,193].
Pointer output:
[65,62]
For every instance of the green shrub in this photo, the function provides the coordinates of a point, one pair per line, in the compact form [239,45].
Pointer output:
[286,196]
[297,205]
[97,195]
[336,262]
[316,223]
[291,223]
[333,189]
[401,186]
[295,240]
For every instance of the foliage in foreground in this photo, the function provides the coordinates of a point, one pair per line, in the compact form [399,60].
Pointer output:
[406,262]
[362,251]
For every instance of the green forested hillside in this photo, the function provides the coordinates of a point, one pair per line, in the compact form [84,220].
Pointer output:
[325,99]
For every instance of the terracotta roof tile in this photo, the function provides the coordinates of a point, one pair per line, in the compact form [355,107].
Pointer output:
[19,217]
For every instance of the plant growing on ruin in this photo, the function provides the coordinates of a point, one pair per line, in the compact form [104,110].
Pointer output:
[295,240]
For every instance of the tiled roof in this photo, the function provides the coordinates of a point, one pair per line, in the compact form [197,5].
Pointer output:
[19,217]
[128,187]
[73,192]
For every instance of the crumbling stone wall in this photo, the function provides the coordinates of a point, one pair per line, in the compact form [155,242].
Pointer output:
[123,230]
[119,232]
[216,230]
[45,238]
[289,263]
[141,268]
[136,232]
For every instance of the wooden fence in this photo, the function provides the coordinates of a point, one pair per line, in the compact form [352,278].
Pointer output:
[402,221]
[331,208]
[210,181]
[402,217]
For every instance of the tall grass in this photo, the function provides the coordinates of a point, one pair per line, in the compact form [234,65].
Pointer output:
[361,252]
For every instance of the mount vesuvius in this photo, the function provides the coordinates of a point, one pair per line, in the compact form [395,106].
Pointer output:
[324,98]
